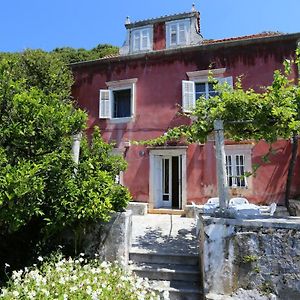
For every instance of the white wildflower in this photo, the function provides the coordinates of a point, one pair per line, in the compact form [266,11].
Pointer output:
[32,294]
[15,293]
[104,264]
[40,258]
[16,275]
[89,290]
[94,296]
[4,292]
[74,277]
[73,289]
[46,292]
[62,280]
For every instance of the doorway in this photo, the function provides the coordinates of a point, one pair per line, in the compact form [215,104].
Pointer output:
[167,179]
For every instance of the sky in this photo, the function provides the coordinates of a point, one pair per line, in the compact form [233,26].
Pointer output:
[47,24]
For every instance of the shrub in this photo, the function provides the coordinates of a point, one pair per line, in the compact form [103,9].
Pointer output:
[60,278]
[37,178]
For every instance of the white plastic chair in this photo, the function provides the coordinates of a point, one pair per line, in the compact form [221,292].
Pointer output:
[270,210]
[210,206]
[213,201]
[238,201]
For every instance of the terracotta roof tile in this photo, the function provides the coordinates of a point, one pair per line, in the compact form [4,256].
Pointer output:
[110,56]
[245,37]
[206,42]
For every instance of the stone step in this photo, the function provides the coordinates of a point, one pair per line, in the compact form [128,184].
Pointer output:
[158,258]
[166,211]
[184,294]
[167,272]
[177,290]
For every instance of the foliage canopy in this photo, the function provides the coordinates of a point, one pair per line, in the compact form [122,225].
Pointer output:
[37,178]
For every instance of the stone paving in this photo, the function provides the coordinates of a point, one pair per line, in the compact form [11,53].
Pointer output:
[164,234]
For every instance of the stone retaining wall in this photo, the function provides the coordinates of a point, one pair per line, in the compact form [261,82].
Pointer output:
[110,241]
[261,254]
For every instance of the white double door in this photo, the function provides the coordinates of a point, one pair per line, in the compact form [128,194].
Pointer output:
[168,181]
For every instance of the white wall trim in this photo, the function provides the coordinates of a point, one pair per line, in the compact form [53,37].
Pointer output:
[121,84]
[168,152]
[203,74]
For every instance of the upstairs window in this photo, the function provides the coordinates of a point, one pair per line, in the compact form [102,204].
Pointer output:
[141,39]
[205,89]
[193,90]
[177,33]
[118,101]
[122,103]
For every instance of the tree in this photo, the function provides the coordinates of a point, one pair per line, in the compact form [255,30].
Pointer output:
[37,179]
[72,55]
[272,114]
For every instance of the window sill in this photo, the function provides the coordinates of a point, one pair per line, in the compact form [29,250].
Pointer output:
[121,120]
[238,188]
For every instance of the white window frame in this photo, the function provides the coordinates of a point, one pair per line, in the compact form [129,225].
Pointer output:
[138,36]
[206,82]
[127,84]
[244,150]
[238,179]
[189,100]
[186,31]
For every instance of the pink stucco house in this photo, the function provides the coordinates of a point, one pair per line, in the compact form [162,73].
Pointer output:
[163,68]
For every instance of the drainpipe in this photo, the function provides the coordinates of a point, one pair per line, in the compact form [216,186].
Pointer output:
[221,167]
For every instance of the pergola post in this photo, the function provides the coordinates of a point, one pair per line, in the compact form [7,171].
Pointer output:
[221,166]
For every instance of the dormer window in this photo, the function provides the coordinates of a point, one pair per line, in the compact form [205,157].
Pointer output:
[177,33]
[167,32]
[141,39]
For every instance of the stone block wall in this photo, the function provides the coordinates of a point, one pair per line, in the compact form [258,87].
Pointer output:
[261,255]
[110,241]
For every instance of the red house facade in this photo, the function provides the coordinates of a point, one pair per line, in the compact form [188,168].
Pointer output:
[162,68]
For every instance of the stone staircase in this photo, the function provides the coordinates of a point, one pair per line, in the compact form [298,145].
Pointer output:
[170,262]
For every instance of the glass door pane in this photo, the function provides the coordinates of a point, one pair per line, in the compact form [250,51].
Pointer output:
[166,179]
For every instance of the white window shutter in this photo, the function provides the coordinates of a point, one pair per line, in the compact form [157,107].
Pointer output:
[229,80]
[168,33]
[188,95]
[145,44]
[136,40]
[105,104]
[133,99]
[181,34]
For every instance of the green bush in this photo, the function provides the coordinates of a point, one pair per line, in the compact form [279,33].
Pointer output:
[60,278]
[38,179]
